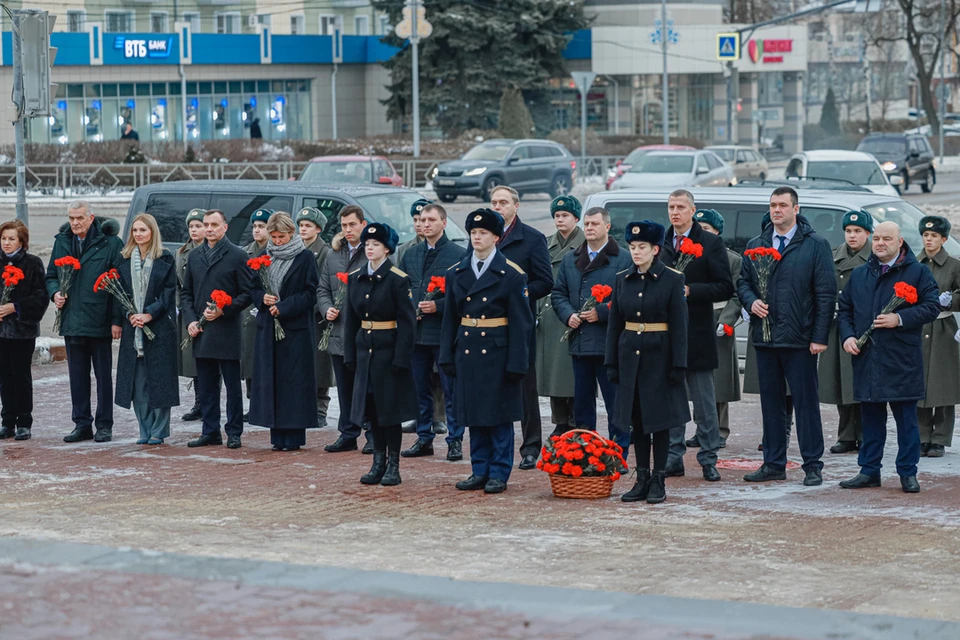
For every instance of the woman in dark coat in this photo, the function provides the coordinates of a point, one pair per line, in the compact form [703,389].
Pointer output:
[647,355]
[283,393]
[378,338]
[19,328]
[147,369]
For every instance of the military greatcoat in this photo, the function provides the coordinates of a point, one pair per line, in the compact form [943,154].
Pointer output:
[941,353]
[554,365]
[726,379]
[186,365]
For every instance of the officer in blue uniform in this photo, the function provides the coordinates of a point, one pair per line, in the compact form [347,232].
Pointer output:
[484,344]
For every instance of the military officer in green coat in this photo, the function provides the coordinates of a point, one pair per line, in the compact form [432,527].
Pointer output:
[186,365]
[941,353]
[258,223]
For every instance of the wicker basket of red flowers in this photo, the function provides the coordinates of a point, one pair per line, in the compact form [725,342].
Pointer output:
[582,464]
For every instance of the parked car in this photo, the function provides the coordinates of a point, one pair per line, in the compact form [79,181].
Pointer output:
[529,166]
[351,170]
[853,167]
[907,155]
[746,162]
[169,203]
[677,169]
[636,155]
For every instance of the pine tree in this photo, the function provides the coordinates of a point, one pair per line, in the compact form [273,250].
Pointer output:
[830,115]
[515,120]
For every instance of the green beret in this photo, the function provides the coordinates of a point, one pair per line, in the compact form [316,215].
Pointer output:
[935,224]
[261,215]
[312,214]
[565,203]
[195,214]
[418,206]
[712,217]
[859,218]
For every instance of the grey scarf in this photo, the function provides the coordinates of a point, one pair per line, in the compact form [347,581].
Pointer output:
[280,260]
[140,279]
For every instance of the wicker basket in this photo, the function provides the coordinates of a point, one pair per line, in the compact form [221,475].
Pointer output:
[582,487]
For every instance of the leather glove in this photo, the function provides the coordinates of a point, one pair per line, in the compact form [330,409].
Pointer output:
[745,315]
[449,370]
[946,299]
[677,375]
[720,332]
[613,374]
[512,376]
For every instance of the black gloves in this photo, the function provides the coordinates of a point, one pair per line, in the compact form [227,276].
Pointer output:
[677,375]
[449,370]
[613,375]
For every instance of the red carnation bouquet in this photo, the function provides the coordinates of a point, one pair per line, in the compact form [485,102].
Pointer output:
[598,293]
[342,276]
[902,292]
[110,282]
[766,258]
[11,277]
[218,300]
[260,265]
[688,251]
[66,266]
[437,286]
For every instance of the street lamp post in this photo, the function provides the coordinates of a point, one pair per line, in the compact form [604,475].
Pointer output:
[666,96]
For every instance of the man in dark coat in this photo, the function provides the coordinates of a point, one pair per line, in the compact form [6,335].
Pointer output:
[431,259]
[248,325]
[217,264]
[708,281]
[311,223]
[835,368]
[596,262]
[87,316]
[800,303]
[484,344]
[186,365]
[888,367]
[527,248]
[346,256]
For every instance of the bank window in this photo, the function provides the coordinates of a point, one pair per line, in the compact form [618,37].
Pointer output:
[264,20]
[76,21]
[158,22]
[118,21]
[296,25]
[228,22]
[194,19]
[327,24]
[361,25]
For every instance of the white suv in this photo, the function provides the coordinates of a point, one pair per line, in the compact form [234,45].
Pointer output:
[853,167]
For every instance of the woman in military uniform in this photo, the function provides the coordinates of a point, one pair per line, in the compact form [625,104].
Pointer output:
[378,338]
[186,365]
[937,412]
[258,225]
[647,355]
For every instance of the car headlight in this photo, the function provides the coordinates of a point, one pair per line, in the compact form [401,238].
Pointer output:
[889,166]
[434,172]
[474,172]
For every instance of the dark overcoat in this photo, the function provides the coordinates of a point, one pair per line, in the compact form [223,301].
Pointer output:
[338,261]
[29,297]
[248,322]
[159,354]
[483,357]
[527,248]
[726,379]
[554,365]
[322,365]
[186,365]
[941,353]
[382,358]
[86,313]
[447,254]
[283,394]
[890,365]
[224,268]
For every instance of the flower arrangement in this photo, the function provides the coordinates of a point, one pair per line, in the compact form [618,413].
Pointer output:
[11,277]
[582,455]
[902,292]
[727,330]
[218,300]
[598,293]
[437,287]
[260,265]
[342,276]
[766,258]
[689,250]
[66,266]
[110,282]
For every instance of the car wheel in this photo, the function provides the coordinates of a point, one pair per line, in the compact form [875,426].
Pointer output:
[931,180]
[446,197]
[489,185]
[561,185]
[906,182]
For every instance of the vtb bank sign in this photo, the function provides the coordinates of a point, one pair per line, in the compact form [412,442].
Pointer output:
[768,51]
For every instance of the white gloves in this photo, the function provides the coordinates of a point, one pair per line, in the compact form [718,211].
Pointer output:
[956,336]
[720,331]
[745,315]
[946,298]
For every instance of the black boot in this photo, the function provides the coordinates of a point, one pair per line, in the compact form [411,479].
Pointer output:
[23,433]
[377,470]
[391,476]
[6,432]
[640,489]
[193,415]
[658,489]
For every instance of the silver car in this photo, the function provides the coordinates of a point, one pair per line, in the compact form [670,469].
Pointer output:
[746,162]
[674,169]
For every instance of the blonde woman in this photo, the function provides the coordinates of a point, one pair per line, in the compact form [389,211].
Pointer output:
[147,369]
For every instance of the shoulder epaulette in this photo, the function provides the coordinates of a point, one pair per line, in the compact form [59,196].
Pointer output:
[516,266]
[355,271]
[398,272]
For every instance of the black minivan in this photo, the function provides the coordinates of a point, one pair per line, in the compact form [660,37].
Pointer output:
[907,155]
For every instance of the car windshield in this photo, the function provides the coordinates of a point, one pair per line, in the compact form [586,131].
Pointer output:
[350,172]
[855,172]
[908,217]
[635,156]
[726,154]
[487,152]
[393,208]
[884,146]
[663,163]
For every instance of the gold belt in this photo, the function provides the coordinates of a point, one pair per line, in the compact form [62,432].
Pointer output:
[648,327]
[483,322]
[379,326]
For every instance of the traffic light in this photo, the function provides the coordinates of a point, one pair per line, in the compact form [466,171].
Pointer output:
[36,59]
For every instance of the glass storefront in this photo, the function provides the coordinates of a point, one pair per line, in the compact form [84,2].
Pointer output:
[214,111]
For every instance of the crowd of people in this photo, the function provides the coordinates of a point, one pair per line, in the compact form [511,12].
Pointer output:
[431,338]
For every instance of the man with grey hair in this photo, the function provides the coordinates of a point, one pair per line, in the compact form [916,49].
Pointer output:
[88,318]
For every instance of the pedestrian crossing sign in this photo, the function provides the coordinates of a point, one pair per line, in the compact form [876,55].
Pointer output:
[728,46]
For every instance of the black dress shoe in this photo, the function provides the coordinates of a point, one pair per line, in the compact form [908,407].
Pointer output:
[6,432]
[342,443]
[206,441]
[495,486]
[674,471]
[277,447]
[321,420]
[765,474]
[936,451]
[419,448]
[23,433]
[410,427]
[924,449]
[79,434]
[103,435]
[439,429]
[367,448]
[193,415]
[813,478]
[861,481]
[909,484]
[760,447]
[233,442]
[710,473]
[723,443]
[473,483]
[844,446]
[455,451]
[693,443]
[527,463]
